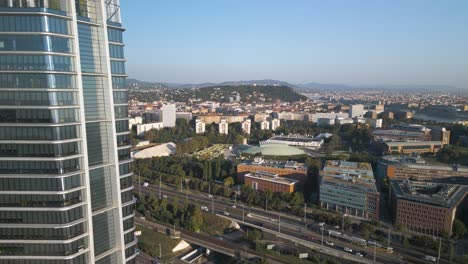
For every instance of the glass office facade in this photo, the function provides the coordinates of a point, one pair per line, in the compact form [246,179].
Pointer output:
[65,178]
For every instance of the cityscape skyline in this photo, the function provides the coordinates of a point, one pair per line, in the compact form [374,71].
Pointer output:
[355,43]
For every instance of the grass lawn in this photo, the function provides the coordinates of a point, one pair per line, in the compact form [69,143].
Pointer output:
[149,242]
[214,225]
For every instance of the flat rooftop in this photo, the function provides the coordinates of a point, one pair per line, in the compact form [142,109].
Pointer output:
[295,139]
[276,164]
[266,176]
[413,143]
[420,163]
[349,173]
[438,194]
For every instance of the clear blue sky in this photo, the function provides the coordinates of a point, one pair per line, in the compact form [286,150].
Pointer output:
[347,41]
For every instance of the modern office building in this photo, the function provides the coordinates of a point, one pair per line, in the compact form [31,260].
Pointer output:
[286,169]
[349,188]
[263,181]
[402,167]
[402,147]
[65,179]
[399,135]
[426,207]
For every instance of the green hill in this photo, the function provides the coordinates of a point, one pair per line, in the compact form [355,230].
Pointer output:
[247,93]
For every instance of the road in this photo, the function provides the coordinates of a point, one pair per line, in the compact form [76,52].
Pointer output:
[221,246]
[294,222]
[287,227]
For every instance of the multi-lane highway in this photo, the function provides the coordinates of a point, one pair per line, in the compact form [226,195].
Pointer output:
[290,225]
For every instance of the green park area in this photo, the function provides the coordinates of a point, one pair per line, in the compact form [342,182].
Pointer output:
[212,152]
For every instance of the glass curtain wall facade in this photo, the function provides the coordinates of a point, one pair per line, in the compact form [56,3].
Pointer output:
[65,179]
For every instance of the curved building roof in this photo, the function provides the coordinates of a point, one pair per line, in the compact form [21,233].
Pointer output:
[273,150]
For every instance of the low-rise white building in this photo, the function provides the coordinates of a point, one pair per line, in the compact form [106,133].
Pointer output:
[275,123]
[135,121]
[223,127]
[265,125]
[374,123]
[246,125]
[141,129]
[199,126]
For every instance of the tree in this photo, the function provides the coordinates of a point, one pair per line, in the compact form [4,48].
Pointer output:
[459,229]
[366,229]
[406,242]
[195,218]
[229,181]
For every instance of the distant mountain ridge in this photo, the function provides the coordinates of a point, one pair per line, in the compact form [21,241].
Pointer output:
[301,87]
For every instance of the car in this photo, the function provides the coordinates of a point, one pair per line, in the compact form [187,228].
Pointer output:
[312,238]
[430,258]
[145,184]
[321,224]
[337,227]
[234,206]
[164,196]
[329,243]
[347,249]
[210,196]
[226,213]
[359,255]
[204,208]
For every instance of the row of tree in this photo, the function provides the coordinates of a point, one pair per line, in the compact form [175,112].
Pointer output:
[184,166]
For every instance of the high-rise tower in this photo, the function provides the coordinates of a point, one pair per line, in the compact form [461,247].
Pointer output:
[65,179]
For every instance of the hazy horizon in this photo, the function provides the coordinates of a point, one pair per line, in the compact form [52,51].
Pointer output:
[358,43]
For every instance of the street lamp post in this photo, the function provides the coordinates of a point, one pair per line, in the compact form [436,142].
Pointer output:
[243,220]
[212,205]
[375,247]
[322,234]
[440,245]
[342,223]
[389,236]
[305,216]
[279,223]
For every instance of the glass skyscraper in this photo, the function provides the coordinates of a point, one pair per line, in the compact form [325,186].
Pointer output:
[65,179]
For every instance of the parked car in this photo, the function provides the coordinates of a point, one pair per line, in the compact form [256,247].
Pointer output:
[226,213]
[359,254]
[145,184]
[329,243]
[321,224]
